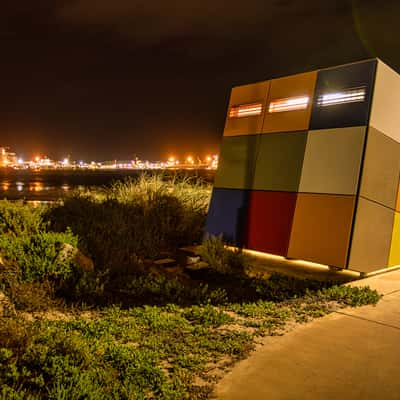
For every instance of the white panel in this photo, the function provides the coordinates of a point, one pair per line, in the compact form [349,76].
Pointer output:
[385,112]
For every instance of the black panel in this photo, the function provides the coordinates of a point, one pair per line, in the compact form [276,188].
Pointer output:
[227,215]
[358,76]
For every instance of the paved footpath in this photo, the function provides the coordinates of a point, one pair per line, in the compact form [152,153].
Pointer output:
[348,355]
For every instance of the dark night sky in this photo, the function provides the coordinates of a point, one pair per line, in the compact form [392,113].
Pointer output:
[104,79]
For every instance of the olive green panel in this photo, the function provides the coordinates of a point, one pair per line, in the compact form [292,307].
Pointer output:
[385,114]
[236,162]
[332,160]
[247,94]
[372,235]
[394,256]
[380,174]
[279,161]
[321,228]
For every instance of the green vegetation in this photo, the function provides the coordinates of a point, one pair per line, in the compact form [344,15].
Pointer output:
[134,219]
[129,330]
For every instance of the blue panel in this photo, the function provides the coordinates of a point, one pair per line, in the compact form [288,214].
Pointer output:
[227,215]
[336,103]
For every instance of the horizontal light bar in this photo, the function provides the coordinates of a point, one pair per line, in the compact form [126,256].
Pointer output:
[245,110]
[353,95]
[288,104]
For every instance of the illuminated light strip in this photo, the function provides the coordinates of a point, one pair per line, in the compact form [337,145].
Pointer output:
[288,104]
[245,110]
[273,261]
[354,95]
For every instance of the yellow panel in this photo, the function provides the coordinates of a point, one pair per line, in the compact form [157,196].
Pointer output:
[289,103]
[246,109]
[394,257]
[398,200]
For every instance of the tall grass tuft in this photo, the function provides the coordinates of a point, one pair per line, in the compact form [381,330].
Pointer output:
[135,219]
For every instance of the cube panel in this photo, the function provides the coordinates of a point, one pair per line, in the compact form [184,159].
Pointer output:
[246,109]
[385,114]
[227,215]
[321,228]
[394,255]
[279,161]
[310,167]
[380,175]
[343,96]
[371,238]
[269,221]
[289,103]
[237,162]
[398,199]
[332,161]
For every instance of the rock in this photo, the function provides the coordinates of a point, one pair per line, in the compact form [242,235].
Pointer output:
[187,255]
[197,265]
[68,251]
[192,260]
[84,262]
[165,262]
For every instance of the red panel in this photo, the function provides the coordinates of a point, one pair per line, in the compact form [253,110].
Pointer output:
[270,221]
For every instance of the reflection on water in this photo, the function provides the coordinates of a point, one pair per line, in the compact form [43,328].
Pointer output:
[52,185]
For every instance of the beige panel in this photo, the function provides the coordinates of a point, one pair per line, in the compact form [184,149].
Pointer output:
[321,228]
[380,174]
[294,86]
[247,94]
[385,114]
[371,239]
[332,160]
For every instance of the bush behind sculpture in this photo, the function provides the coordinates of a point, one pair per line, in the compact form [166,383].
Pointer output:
[134,219]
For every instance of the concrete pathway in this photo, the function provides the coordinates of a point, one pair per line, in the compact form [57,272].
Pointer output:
[348,355]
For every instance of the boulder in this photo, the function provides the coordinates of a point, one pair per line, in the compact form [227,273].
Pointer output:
[68,251]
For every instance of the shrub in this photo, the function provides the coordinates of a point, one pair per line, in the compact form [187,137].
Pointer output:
[135,218]
[19,219]
[37,255]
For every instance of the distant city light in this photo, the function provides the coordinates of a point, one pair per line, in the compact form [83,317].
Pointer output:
[10,160]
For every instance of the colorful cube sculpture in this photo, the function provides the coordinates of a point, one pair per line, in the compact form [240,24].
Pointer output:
[310,165]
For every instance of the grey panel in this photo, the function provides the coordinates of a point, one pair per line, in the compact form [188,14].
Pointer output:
[380,175]
[332,161]
[372,235]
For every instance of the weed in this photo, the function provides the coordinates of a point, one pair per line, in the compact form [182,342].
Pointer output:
[214,252]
